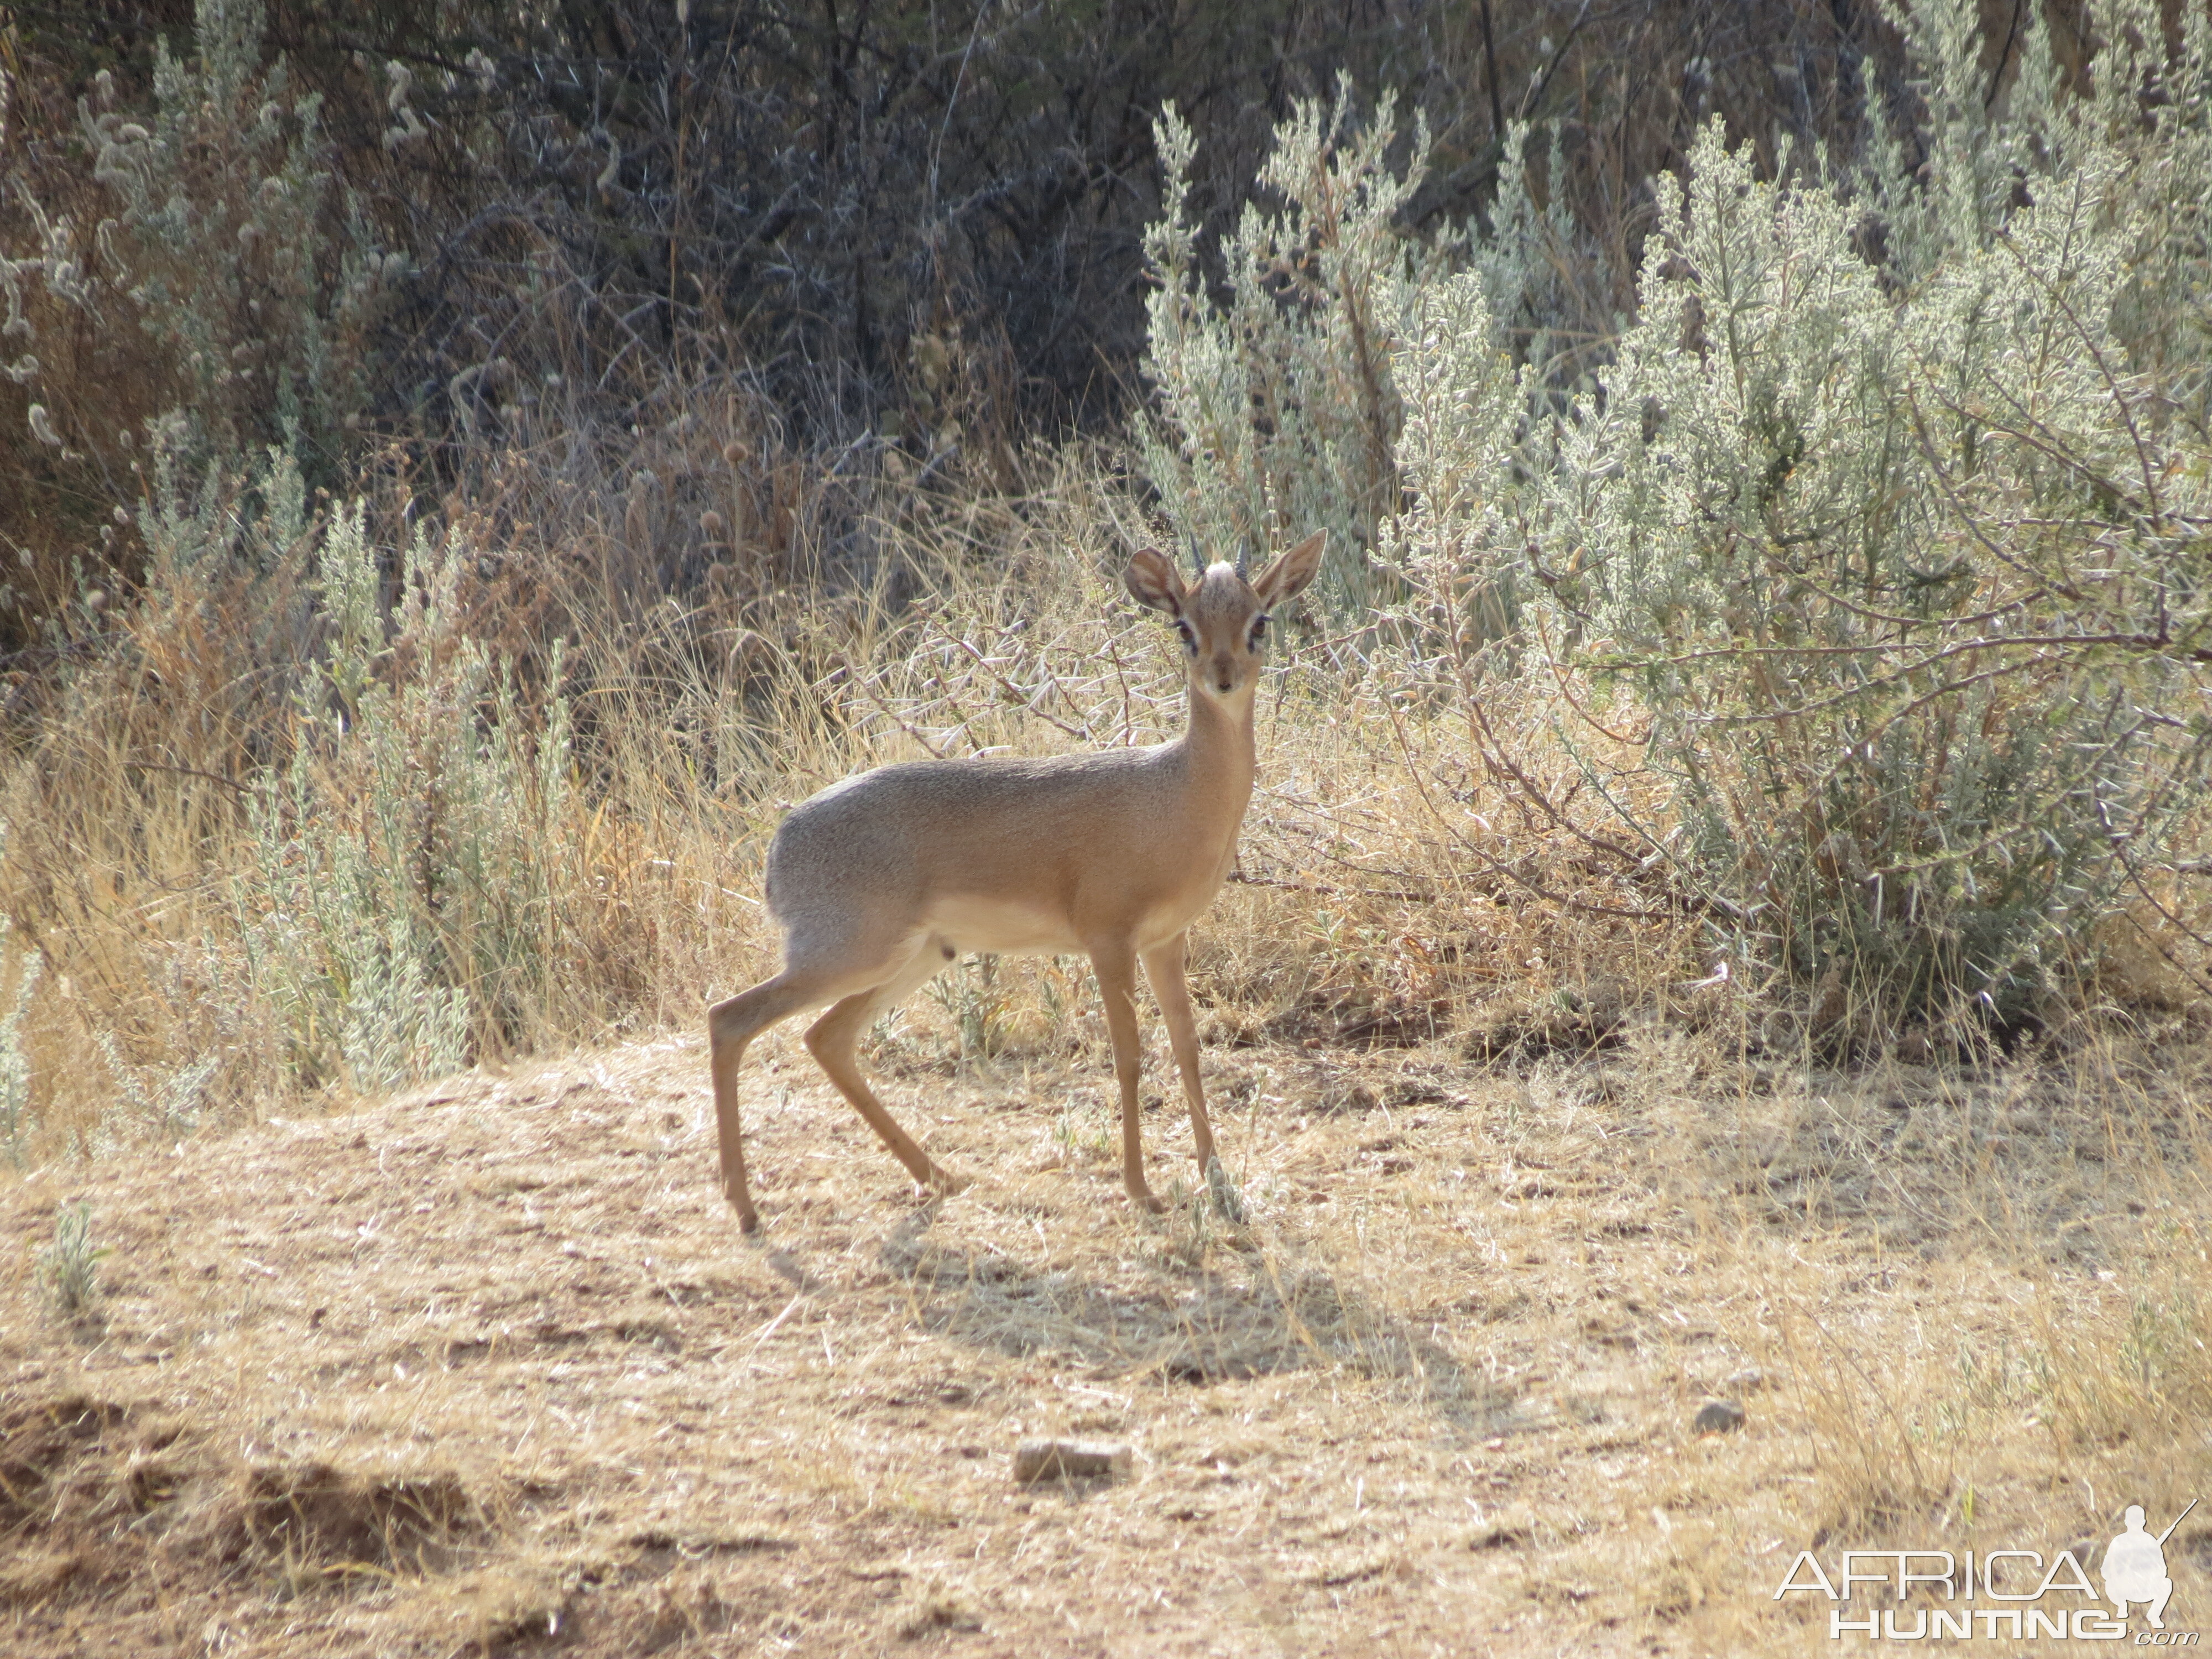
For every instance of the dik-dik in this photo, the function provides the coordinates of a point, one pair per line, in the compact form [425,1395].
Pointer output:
[879,881]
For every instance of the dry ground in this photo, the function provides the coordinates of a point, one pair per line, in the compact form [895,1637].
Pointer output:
[489,1367]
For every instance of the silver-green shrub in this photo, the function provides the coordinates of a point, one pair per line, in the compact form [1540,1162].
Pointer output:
[2156,107]
[160,1104]
[404,903]
[1280,411]
[224,247]
[1905,561]
[69,1268]
[1887,522]
[1457,547]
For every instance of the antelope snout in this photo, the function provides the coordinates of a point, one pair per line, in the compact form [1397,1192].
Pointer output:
[1225,673]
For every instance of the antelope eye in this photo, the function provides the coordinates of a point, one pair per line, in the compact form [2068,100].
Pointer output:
[1259,629]
[1189,634]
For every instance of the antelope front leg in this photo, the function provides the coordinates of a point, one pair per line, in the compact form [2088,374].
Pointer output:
[1115,965]
[1163,966]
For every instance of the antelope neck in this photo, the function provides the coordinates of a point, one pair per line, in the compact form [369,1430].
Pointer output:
[1220,746]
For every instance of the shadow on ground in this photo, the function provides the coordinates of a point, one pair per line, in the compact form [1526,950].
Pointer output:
[1242,1311]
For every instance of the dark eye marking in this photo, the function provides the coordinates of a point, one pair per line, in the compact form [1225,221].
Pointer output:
[1189,634]
[1260,627]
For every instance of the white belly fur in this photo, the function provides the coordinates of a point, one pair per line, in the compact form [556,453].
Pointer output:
[983,925]
[987,925]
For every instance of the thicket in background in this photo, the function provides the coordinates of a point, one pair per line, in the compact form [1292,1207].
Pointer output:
[901,239]
[1882,528]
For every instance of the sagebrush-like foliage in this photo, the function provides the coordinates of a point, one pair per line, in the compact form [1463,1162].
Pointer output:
[1904,564]
[1887,520]
[2155,108]
[224,248]
[404,906]
[69,1268]
[1458,546]
[162,1105]
[1281,412]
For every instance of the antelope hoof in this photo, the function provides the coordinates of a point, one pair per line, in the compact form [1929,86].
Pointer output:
[942,1183]
[1141,1198]
[742,1202]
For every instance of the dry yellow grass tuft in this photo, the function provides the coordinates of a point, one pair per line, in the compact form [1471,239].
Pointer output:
[487,1366]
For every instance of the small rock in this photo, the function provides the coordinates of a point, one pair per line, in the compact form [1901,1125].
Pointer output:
[1055,1460]
[1719,1417]
[1749,1380]
[1500,1535]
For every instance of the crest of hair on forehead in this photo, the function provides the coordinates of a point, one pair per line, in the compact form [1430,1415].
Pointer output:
[1198,559]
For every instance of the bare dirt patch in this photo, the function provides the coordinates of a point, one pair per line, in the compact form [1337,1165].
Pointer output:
[488,1368]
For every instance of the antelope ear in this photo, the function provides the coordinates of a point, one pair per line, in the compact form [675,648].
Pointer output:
[1152,581]
[1292,571]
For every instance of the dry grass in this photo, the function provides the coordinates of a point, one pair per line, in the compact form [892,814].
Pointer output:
[487,1366]
[1390,875]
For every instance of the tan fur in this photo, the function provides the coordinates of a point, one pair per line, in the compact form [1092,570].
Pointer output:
[879,881]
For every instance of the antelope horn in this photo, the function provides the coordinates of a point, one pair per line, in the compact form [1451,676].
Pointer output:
[1197,564]
[1243,553]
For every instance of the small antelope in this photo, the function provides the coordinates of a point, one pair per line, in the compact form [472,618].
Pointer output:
[879,881]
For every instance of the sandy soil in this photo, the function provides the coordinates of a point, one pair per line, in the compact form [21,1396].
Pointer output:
[490,1368]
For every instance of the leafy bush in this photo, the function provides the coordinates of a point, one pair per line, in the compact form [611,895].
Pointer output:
[204,276]
[1885,524]
[1904,560]
[1281,412]
[1282,408]
[406,900]
[1457,545]
[222,247]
